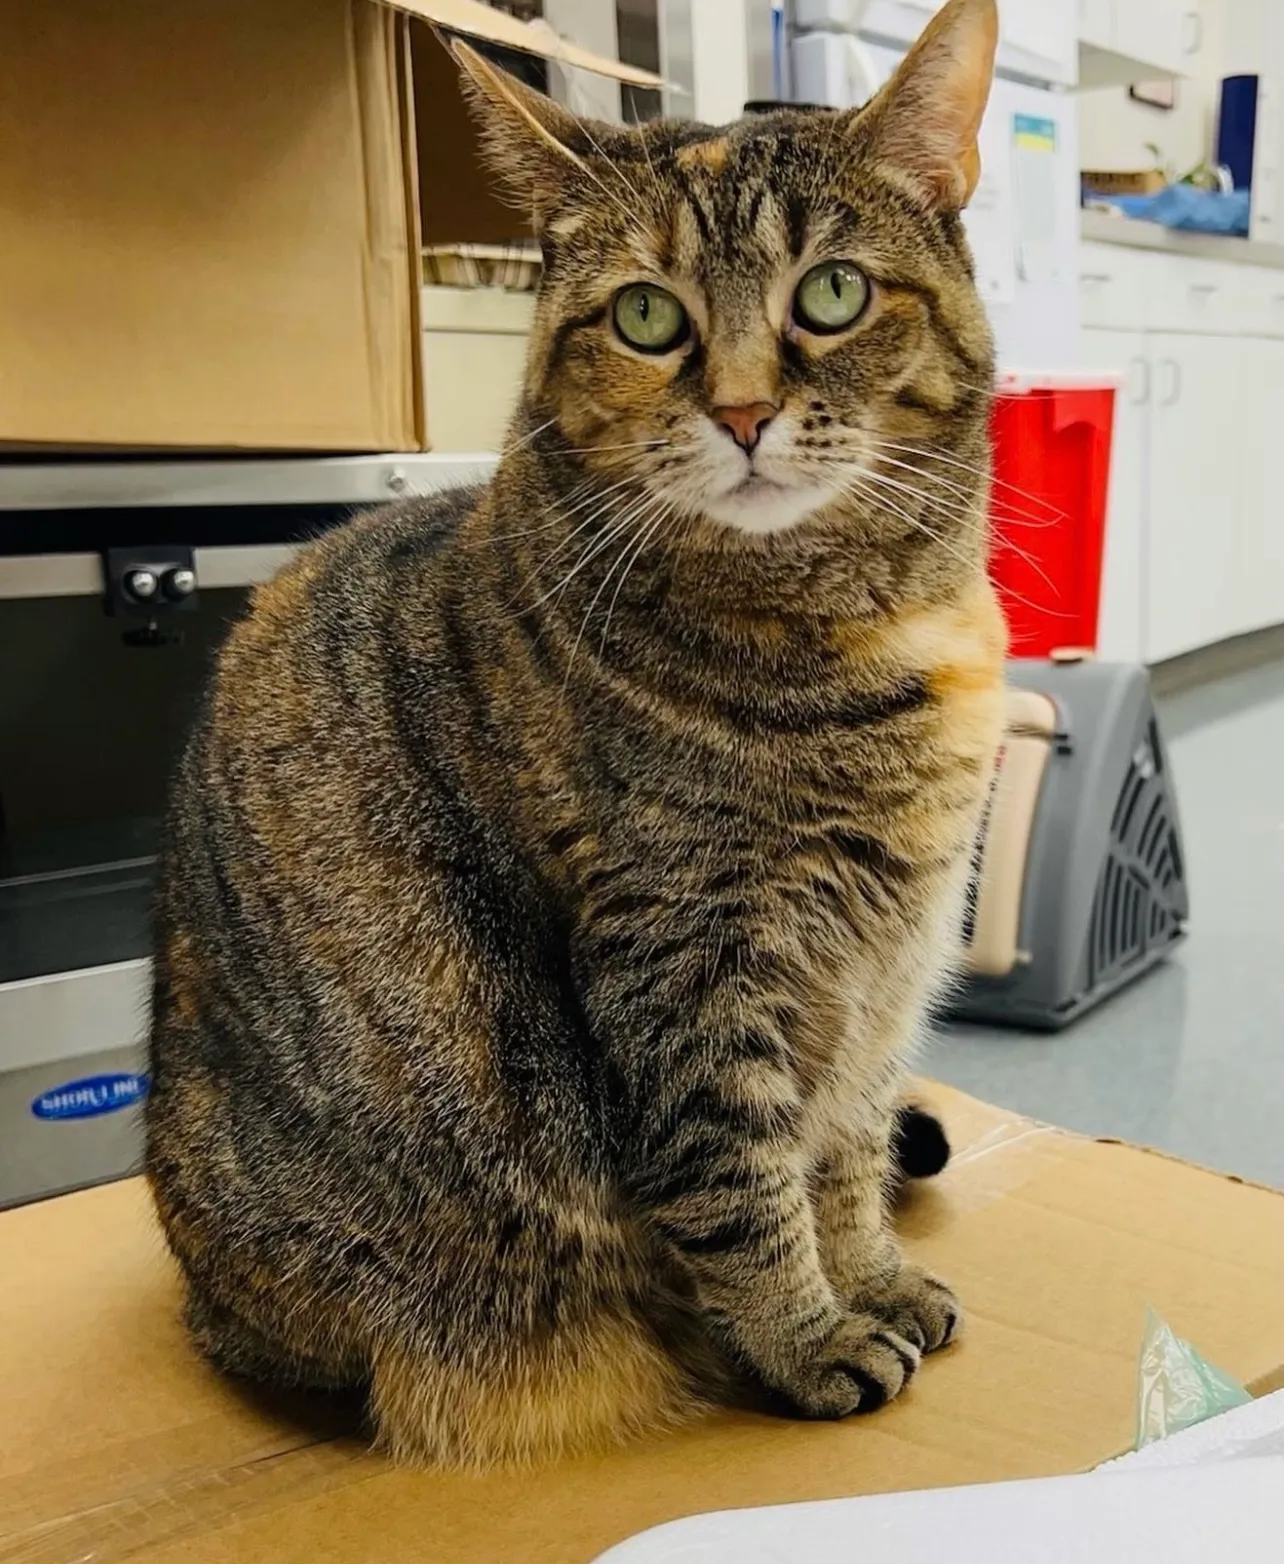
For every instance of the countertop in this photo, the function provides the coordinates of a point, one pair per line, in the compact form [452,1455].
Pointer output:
[1102,228]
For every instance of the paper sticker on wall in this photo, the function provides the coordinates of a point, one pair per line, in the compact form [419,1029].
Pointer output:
[1034,166]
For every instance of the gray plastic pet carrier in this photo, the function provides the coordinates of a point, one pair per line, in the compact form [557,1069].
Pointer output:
[1080,882]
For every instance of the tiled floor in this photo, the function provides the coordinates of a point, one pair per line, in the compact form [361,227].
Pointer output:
[1191,1060]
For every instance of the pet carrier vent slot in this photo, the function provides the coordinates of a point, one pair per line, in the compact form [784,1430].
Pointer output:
[1137,900]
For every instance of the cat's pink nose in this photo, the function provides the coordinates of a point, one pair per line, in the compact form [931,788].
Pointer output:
[745,424]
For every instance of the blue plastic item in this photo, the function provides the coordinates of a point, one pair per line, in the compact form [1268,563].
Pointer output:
[1237,128]
[1185,207]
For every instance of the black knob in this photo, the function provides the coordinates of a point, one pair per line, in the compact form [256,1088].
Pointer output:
[142,584]
[179,583]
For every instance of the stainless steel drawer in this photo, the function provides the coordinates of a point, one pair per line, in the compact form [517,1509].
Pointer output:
[72,1079]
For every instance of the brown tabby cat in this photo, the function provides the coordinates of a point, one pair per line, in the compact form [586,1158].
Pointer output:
[558,873]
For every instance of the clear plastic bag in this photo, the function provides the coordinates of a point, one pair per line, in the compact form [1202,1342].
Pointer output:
[1178,1387]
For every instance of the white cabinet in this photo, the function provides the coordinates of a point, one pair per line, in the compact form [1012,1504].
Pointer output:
[1038,37]
[1124,40]
[1162,33]
[1195,531]
[1121,629]
[1097,23]
[1257,570]
[1042,30]
[1196,499]
[1267,571]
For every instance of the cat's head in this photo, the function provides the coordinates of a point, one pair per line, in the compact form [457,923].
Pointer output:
[759,323]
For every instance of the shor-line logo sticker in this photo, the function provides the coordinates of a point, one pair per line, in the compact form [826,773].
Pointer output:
[90,1097]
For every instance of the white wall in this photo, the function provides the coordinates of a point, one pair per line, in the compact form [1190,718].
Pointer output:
[720,55]
[1253,32]
[1114,130]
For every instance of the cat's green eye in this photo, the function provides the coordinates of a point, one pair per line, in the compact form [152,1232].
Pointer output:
[831,297]
[650,319]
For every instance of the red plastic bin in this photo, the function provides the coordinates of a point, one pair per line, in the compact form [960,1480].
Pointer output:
[1051,438]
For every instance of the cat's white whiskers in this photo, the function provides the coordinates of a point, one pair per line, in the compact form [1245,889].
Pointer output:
[634,516]
[1002,509]
[652,528]
[584,493]
[1022,554]
[598,498]
[935,454]
[656,186]
[626,445]
[630,213]
[532,434]
[968,513]
[637,520]
[973,516]
[867,486]
[626,524]
[968,495]
[870,494]
[591,551]
[596,492]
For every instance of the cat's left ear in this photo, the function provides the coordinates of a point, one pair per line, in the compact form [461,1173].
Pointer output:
[926,120]
[528,139]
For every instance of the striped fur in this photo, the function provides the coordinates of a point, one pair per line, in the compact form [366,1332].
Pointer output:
[547,913]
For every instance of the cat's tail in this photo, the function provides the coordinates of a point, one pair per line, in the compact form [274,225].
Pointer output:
[920,1146]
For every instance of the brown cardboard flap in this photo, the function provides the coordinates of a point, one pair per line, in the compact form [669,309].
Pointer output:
[482,21]
[210,216]
[391,243]
[194,248]
[117,1444]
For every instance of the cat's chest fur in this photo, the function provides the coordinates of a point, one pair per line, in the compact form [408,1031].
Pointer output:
[883,789]
[820,870]
[857,891]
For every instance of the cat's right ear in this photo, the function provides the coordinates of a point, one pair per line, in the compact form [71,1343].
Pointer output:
[528,139]
[925,122]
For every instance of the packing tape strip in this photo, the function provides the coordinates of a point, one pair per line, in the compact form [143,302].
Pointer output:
[978,1175]
[115,1532]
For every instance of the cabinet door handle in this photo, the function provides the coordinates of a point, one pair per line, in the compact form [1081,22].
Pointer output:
[1145,377]
[1192,32]
[1099,278]
[1173,395]
[1204,289]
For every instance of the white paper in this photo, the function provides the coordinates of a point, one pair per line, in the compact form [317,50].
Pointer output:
[1227,1513]
[1244,1432]
[990,222]
[1034,168]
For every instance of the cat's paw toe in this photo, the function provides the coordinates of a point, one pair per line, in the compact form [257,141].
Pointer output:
[920,1307]
[862,1366]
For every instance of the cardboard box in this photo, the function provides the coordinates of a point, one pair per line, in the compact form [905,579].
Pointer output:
[117,1443]
[212,215]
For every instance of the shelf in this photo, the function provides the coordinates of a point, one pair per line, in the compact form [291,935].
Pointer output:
[217,493]
[301,480]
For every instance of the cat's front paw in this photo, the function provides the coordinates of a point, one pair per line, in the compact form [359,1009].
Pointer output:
[861,1366]
[917,1306]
